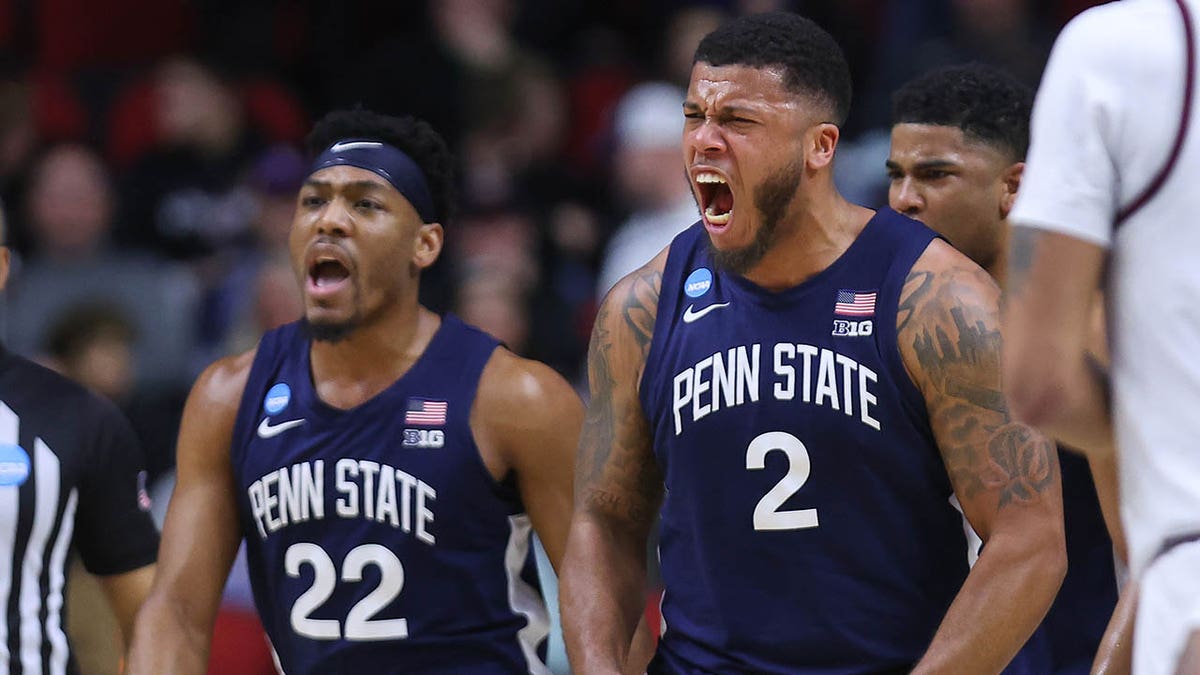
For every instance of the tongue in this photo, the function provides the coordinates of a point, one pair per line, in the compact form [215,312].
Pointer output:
[722,201]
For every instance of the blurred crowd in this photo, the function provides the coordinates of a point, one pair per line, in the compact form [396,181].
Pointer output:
[150,156]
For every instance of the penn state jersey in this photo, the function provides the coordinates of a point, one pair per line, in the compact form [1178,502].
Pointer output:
[377,540]
[806,525]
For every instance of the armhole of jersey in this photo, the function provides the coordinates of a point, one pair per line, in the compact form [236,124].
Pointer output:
[470,377]
[244,421]
[1189,85]
[910,395]
[668,303]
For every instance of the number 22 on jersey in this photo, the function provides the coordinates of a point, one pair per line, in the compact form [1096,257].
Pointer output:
[360,624]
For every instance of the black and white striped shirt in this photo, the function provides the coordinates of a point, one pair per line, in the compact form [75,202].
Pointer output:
[70,475]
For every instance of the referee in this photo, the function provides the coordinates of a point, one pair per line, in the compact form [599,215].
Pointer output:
[71,475]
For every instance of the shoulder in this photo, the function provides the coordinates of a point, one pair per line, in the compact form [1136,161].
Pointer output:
[949,315]
[220,386]
[522,392]
[631,307]
[1117,39]
[944,277]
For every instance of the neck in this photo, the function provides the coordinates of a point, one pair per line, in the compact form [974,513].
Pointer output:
[999,266]
[813,235]
[350,371]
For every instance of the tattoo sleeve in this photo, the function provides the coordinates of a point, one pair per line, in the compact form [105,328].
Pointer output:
[616,473]
[949,332]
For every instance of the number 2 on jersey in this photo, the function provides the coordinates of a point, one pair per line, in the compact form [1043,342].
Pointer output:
[359,624]
[767,515]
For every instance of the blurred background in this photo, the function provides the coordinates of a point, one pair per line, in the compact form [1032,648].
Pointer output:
[150,156]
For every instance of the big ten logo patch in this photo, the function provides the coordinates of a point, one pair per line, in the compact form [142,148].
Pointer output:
[844,328]
[424,438]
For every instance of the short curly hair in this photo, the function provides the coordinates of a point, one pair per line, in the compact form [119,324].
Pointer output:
[812,61]
[415,137]
[986,103]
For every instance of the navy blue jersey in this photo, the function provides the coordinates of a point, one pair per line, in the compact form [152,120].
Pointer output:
[807,524]
[377,539]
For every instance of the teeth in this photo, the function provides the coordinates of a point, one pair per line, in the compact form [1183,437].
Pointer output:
[709,178]
[722,219]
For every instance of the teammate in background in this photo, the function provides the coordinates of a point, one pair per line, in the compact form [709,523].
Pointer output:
[383,463]
[803,384]
[71,476]
[1108,202]
[959,137]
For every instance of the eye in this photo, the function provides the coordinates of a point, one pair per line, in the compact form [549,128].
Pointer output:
[368,204]
[310,201]
[936,174]
[694,115]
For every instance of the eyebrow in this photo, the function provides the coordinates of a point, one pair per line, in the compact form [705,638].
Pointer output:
[727,110]
[925,164]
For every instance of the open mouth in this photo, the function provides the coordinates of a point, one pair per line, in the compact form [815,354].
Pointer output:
[716,199]
[327,273]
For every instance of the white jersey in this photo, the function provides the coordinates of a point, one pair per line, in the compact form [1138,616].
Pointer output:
[1105,125]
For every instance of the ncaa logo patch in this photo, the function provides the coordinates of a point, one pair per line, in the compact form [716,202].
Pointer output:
[698,282]
[277,398]
[14,465]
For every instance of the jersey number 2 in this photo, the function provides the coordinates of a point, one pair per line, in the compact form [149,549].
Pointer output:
[359,624]
[767,515]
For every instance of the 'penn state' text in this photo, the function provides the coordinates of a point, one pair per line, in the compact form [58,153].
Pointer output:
[730,378]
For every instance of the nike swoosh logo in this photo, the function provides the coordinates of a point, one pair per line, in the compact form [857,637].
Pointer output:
[690,316]
[339,147]
[266,430]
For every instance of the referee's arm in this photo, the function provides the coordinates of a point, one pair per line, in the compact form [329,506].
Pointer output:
[200,538]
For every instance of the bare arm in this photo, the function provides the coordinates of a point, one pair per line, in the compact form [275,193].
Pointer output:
[201,534]
[532,417]
[126,592]
[1004,473]
[1053,381]
[1115,655]
[618,485]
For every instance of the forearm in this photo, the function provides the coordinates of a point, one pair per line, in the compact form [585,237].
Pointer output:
[1115,655]
[604,572]
[167,641]
[1004,598]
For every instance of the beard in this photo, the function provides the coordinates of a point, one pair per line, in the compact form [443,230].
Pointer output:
[332,333]
[772,199]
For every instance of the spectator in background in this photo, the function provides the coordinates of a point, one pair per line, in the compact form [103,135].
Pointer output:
[183,197]
[647,128]
[232,319]
[69,206]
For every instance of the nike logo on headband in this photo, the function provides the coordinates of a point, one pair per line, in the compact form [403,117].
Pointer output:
[352,145]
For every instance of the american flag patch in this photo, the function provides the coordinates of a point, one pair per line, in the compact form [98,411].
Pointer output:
[855,303]
[422,411]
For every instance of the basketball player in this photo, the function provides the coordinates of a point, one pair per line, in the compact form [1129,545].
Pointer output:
[71,476]
[959,137]
[383,463]
[1108,197]
[803,384]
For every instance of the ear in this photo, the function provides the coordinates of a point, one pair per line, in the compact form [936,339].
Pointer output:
[430,238]
[821,142]
[1010,182]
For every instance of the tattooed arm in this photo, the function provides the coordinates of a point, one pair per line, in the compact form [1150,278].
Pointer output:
[1052,380]
[1004,473]
[618,485]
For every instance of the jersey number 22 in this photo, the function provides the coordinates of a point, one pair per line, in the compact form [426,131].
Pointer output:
[360,624]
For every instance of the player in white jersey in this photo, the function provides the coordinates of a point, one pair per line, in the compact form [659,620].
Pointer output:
[1109,183]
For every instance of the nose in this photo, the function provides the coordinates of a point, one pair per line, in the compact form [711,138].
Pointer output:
[704,138]
[335,219]
[904,197]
